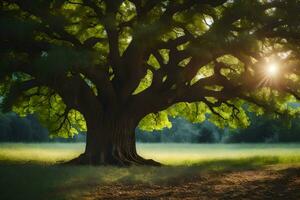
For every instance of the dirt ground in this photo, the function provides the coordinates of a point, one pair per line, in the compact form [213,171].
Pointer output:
[238,185]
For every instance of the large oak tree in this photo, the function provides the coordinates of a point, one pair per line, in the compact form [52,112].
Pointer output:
[107,66]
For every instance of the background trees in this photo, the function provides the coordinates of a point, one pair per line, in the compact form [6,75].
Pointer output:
[262,129]
[16,129]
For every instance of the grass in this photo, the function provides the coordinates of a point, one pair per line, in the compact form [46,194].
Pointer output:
[27,170]
[170,154]
[189,154]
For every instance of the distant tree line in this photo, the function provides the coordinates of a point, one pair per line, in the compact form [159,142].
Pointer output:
[262,129]
[14,128]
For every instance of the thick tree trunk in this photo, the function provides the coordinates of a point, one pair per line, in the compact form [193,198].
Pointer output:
[111,142]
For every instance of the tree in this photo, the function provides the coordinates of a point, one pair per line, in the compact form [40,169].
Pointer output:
[109,66]
[21,129]
[266,129]
[206,136]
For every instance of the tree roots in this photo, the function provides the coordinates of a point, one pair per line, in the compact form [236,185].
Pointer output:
[120,161]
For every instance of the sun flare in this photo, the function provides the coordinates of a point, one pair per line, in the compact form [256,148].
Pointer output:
[272,69]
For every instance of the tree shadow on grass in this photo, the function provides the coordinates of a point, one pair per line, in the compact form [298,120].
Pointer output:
[246,184]
[36,181]
[278,185]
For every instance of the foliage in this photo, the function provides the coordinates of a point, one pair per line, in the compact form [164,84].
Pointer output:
[202,60]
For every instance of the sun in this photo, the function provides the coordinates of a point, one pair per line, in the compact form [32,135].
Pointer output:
[272,69]
[271,74]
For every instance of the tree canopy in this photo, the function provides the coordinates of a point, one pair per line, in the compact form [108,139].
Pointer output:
[65,59]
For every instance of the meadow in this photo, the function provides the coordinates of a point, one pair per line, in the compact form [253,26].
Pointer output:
[32,171]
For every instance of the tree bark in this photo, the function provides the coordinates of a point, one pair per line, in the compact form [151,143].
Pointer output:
[110,129]
[111,141]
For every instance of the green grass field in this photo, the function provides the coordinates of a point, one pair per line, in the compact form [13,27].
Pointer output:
[28,171]
[170,154]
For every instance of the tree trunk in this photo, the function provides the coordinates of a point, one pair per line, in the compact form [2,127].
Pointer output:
[111,142]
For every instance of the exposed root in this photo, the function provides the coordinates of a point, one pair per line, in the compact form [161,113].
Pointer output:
[148,162]
[80,160]
[120,161]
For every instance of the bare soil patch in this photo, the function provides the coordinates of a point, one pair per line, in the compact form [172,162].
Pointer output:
[247,184]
